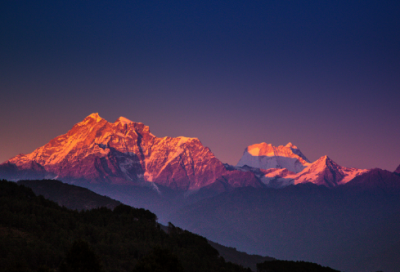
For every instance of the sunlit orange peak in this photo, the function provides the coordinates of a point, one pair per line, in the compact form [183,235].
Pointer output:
[262,149]
[95,116]
[324,158]
[123,120]
[290,145]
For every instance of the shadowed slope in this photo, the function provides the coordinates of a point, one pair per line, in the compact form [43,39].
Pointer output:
[302,222]
[397,170]
[75,197]
[38,233]
[70,196]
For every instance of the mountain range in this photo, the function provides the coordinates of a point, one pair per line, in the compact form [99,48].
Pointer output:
[96,151]
[274,202]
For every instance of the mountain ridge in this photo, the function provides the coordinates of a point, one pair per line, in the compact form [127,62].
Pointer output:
[180,176]
[397,170]
[96,151]
[123,152]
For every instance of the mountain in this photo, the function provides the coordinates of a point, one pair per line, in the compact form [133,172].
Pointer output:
[240,206]
[397,170]
[323,171]
[226,183]
[326,172]
[31,170]
[375,180]
[95,151]
[266,156]
[125,161]
[69,196]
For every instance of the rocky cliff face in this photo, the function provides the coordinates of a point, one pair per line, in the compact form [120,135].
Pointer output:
[123,152]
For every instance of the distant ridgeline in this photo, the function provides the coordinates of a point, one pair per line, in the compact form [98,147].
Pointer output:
[68,195]
[37,234]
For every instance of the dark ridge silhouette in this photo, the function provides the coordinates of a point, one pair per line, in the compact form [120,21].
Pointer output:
[287,266]
[397,171]
[75,197]
[37,234]
[70,196]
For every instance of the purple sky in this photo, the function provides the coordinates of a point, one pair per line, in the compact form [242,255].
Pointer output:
[324,75]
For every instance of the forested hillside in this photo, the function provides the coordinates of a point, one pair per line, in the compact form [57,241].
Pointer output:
[38,235]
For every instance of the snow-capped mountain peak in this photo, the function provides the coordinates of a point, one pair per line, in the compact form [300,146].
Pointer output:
[94,115]
[90,119]
[325,171]
[123,152]
[267,156]
[122,120]
[290,145]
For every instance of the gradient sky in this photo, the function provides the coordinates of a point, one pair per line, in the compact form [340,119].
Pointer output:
[324,75]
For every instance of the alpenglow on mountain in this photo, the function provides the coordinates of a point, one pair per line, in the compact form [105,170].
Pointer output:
[96,151]
[286,165]
[266,156]
[123,152]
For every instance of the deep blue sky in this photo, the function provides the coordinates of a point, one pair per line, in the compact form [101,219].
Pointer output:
[324,75]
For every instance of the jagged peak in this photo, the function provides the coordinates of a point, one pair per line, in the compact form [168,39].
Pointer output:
[94,115]
[290,145]
[183,140]
[124,121]
[324,159]
[324,162]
